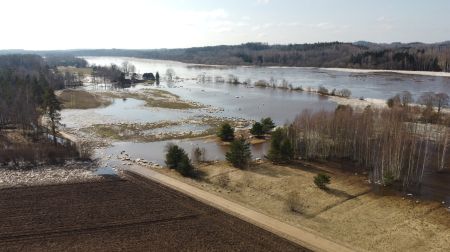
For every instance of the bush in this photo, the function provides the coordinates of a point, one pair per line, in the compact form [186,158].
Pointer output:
[322,180]
[223,180]
[262,84]
[176,158]
[239,154]
[388,179]
[293,203]
[322,90]
[226,132]
[393,101]
[267,124]
[281,149]
[257,129]
[345,93]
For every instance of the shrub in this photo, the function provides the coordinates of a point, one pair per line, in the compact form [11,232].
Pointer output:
[322,90]
[226,132]
[257,129]
[345,93]
[176,158]
[394,101]
[322,180]
[239,154]
[223,180]
[388,179]
[293,203]
[262,84]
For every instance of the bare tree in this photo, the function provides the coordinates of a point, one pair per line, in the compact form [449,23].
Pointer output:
[170,74]
[441,100]
[406,98]
[125,67]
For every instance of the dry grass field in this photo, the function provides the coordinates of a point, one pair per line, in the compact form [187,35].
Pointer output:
[348,212]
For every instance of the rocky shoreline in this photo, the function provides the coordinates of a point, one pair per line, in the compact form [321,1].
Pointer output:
[71,172]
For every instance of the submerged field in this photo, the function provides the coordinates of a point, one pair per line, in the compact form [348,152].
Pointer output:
[132,214]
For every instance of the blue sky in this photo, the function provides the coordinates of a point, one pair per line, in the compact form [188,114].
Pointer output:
[52,24]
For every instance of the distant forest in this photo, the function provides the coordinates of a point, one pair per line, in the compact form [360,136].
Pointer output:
[365,55]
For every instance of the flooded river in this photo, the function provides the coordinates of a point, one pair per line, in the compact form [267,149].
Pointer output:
[241,101]
[368,85]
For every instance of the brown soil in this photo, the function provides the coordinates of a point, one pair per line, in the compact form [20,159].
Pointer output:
[348,212]
[80,99]
[131,215]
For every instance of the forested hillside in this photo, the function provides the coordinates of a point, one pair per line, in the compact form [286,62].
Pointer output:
[366,55]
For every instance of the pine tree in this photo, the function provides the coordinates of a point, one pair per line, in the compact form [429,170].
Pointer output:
[52,108]
[257,130]
[281,149]
[239,154]
[267,124]
[226,132]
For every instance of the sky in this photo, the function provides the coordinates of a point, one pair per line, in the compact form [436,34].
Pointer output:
[147,24]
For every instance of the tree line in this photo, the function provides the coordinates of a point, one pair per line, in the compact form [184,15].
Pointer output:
[395,56]
[28,104]
[393,144]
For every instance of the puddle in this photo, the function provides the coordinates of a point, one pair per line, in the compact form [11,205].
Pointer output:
[106,171]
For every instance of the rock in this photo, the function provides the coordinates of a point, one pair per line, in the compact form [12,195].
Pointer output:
[409,195]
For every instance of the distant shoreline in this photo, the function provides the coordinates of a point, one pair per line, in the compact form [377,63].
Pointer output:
[370,71]
[347,70]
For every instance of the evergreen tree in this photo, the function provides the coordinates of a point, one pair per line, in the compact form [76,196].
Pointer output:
[157,78]
[257,129]
[239,154]
[281,149]
[267,124]
[176,158]
[52,108]
[226,132]
[322,180]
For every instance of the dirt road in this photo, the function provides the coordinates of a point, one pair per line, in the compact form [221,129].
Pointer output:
[303,237]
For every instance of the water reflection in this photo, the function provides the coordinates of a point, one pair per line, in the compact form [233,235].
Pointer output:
[155,151]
